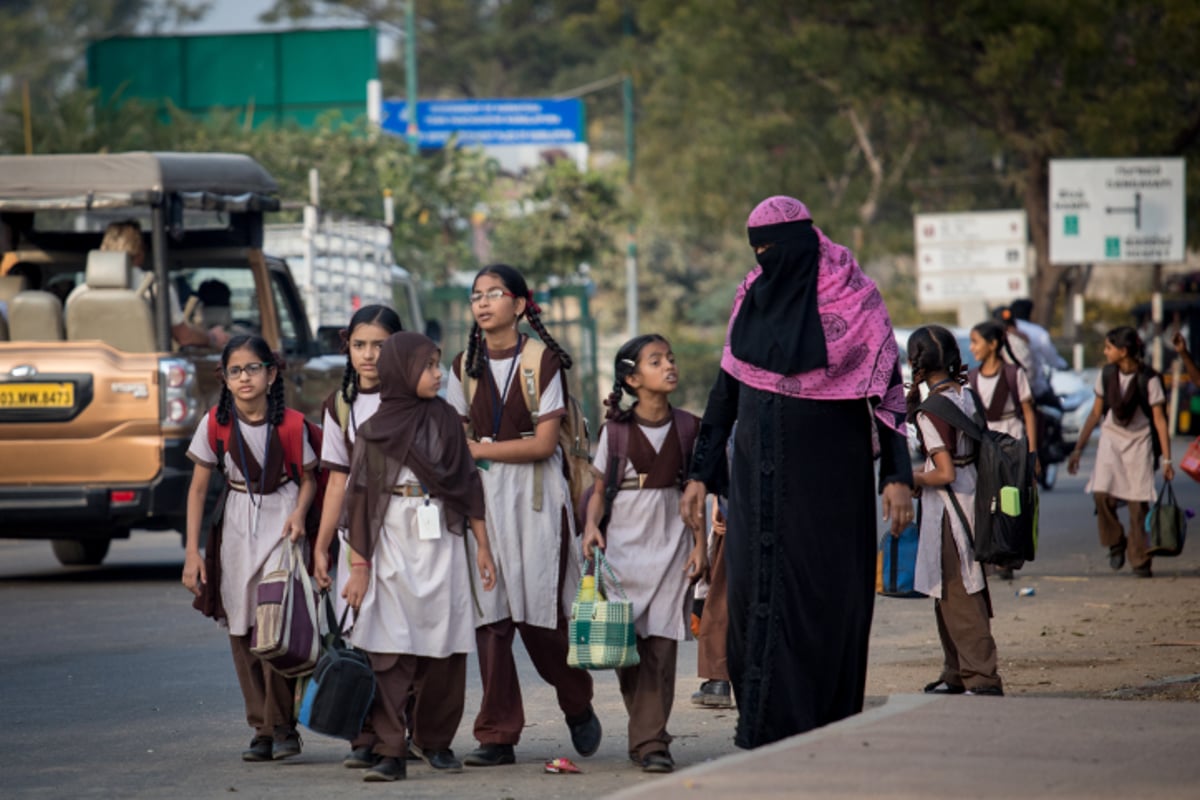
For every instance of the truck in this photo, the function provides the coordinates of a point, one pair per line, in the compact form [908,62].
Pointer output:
[97,406]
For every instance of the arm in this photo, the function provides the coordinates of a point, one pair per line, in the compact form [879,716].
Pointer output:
[942,474]
[1163,432]
[193,564]
[1188,362]
[1090,425]
[483,555]
[538,447]
[335,495]
[895,472]
[1030,424]
[294,526]
[710,472]
[697,563]
[592,536]
[360,576]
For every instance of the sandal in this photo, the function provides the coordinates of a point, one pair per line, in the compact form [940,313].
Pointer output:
[658,762]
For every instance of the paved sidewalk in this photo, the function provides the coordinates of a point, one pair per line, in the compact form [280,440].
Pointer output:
[953,747]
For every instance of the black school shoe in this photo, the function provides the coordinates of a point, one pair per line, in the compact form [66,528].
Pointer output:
[586,733]
[941,687]
[361,758]
[388,769]
[259,749]
[1143,571]
[1116,556]
[985,691]
[443,760]
[714,694]
[490,755]
[658,762]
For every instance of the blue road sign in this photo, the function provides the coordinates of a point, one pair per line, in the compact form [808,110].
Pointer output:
[490,122]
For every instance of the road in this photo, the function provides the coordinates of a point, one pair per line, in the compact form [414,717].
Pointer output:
[114,687]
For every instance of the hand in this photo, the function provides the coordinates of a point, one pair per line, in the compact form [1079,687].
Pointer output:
[486,567]
[718,519]
[194,572]
[218,337]
[1169,471]
[592,537]
[356,586]
[697,563]
[1073,463]
[1180,343]
[691,506]
[321,569]
[293,528]
[897,506]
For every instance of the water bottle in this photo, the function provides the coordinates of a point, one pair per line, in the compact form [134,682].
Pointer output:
[1026,592]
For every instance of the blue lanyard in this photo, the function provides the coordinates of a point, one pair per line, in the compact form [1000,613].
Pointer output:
[497,398]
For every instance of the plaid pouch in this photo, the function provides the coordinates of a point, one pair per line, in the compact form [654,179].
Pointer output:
[601,631]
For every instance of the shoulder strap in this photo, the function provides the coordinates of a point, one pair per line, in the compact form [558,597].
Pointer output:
[618,449]
[291,436]
[943,409]
[962,517]
[1106,376]
[531,376]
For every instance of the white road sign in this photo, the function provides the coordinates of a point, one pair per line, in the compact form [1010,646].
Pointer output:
[1117,210]
[980,257]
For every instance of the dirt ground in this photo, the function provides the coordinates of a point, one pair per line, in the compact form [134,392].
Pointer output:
[1086,632]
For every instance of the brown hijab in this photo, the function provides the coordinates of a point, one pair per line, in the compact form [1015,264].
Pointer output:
[424,435]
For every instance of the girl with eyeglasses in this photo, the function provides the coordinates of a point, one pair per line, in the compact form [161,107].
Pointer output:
[529,516]
[263,509]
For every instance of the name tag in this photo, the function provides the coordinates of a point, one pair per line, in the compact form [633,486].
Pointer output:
[429,522]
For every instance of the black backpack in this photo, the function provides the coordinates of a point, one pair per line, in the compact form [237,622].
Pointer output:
[1003,464]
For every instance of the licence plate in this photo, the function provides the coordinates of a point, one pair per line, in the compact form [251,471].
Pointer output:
[37,395]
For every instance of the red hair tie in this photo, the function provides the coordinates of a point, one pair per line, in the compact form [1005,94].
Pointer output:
[531,305]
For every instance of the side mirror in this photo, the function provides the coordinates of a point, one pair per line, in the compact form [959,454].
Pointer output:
[329,340]
[433,329]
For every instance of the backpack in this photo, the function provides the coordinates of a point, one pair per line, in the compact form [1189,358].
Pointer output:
[291,432]
[1006,478]
[1142,392]
[573,438]
[686,427]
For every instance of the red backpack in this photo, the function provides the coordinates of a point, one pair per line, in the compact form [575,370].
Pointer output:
[291,435]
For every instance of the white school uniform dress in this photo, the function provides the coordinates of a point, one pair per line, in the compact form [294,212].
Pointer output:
[927,577]
[252,541]
[647,546]
[1012,420]
[418,601]
[335,454]
[1125,454]
[526,544]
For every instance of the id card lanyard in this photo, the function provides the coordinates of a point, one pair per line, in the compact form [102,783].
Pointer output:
[255,507]
[498,395]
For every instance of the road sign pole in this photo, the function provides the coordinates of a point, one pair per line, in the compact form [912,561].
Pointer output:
[410,74]
[1077,314]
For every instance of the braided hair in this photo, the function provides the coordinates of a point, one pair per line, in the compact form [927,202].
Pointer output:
[624,365]
[515,283]
[262,351]
[931,349]
[381,315]
[993,332]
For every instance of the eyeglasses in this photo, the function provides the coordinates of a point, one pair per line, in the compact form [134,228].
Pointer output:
[233,373]
[491,294]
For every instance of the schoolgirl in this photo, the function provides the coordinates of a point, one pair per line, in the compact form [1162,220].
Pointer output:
[640,464]
[343,412]
[946,569]
[412,490]
[529,514]
[1133,426]
[262,510]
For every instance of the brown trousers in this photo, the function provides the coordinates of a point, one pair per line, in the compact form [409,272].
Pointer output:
[269,697]
[964,626]
[714,622]
[648,690]
[501,713]
[1112,535]
[439,690]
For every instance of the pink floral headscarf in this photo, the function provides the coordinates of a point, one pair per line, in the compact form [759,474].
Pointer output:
[861,347]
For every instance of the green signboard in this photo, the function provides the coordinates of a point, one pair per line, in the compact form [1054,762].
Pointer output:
[292,76]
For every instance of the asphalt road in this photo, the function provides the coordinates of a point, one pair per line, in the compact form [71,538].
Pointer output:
[114,687]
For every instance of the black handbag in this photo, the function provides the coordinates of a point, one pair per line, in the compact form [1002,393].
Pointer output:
[1166,524]
[339,694]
